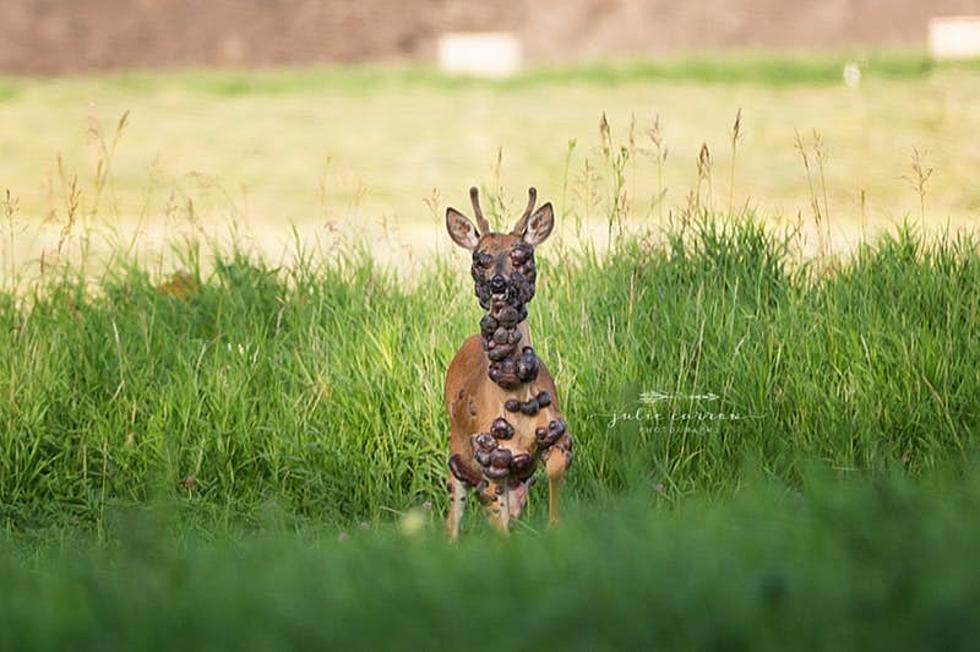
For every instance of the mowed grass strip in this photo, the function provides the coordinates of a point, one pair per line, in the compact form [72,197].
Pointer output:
[741,67]
[319,387]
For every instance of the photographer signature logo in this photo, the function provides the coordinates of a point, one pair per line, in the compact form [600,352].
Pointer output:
[653,396]
[675,412]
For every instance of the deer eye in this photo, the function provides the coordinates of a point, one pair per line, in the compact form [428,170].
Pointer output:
[520,254]
[482,259]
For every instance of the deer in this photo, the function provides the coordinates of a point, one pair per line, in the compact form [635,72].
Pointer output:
[502,403]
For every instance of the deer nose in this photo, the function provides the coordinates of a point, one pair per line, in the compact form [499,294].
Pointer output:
[498,283]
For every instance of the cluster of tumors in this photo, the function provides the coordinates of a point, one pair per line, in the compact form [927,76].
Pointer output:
[511,365]
[497,463]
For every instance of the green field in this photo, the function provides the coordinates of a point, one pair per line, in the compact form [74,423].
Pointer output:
[343,152]
[320,385]
[177,470]
[776,443]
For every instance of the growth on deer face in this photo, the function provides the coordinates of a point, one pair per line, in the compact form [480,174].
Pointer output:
[501,399]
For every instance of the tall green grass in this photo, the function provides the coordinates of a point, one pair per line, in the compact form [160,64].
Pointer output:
[317,388]
[840,565]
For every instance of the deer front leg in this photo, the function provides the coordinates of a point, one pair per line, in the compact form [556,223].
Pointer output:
[462,476]
[457,505]
[559,458]
[496,499]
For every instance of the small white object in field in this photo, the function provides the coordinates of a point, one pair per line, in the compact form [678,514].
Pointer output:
[852,74]
[412,522]
[481,54]
[954,37]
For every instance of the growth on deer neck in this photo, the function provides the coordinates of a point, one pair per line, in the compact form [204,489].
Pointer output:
[504,276]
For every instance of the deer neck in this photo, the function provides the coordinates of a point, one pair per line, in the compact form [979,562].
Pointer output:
[506,338]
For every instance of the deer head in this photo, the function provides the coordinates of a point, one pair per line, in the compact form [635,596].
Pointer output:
[504,275]
[503,263]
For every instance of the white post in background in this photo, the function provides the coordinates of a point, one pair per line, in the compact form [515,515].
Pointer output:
[954,37]
[480,54]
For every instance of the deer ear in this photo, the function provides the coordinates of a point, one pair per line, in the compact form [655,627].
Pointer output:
[461,230]
[539,225]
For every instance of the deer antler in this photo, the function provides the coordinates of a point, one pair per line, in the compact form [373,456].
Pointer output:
[521,227]
[481,222]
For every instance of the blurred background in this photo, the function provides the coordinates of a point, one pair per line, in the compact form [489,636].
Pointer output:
[69,36]
[346,119]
